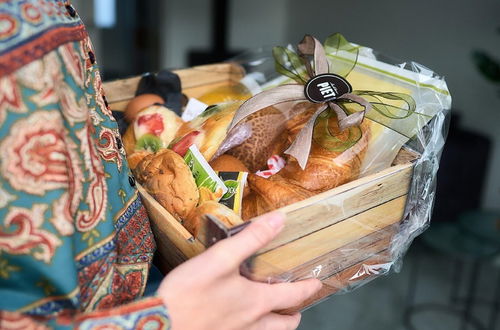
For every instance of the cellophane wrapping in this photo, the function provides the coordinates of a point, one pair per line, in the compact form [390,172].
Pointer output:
[423,134]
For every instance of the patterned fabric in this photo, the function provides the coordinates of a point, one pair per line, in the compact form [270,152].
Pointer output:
[75,240]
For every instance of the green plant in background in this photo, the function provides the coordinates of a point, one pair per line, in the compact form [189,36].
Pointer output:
[488,65]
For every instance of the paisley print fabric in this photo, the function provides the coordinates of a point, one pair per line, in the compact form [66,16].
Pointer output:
[75,240]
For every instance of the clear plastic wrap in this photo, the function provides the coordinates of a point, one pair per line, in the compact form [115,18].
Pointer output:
[365,188]
[349,235]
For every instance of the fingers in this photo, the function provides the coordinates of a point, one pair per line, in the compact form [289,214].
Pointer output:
[244,244]
[287,295]
[275,321]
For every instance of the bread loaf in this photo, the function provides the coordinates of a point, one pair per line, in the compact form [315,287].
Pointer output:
[169,180]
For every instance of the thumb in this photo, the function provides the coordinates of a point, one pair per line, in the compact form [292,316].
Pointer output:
[258,234]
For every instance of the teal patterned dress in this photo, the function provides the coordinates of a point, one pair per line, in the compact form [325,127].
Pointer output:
[75,240]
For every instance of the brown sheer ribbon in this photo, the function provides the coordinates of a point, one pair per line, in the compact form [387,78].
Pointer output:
[301,146]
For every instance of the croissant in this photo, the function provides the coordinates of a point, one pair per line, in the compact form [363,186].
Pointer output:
[269,194]
[253,206]
[325,168]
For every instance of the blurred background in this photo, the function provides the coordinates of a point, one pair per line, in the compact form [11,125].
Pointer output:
[449,278]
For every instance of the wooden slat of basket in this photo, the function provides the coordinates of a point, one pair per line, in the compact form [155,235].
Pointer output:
[345,256]
[168,256]
[340,203]
[168,229]
[341,280]
[166,224]
[205,75]
[314,245]
[195,81]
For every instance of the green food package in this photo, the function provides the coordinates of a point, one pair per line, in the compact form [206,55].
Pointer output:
[210,186]
[235,183]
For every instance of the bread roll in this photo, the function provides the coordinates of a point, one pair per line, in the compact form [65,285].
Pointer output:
[268,128]
[169,180]
[135,158]
[227,163]
[139,103]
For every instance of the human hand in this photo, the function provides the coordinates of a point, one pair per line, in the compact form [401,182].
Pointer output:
[208,292]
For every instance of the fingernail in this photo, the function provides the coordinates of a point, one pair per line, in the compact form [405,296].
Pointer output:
[276,220]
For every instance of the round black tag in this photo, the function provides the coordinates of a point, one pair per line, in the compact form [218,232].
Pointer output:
[326,87]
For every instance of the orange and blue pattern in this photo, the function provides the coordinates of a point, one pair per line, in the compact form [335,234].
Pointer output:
[75,240]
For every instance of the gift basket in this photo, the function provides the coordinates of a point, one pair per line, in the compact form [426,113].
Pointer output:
[345,142]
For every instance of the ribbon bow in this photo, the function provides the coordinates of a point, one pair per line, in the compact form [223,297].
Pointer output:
[301,146]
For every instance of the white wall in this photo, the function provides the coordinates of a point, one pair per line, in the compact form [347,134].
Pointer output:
[440,34]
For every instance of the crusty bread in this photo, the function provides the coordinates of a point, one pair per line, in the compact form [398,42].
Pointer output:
[268,126]
[135,158]
[227,163]
[169,180]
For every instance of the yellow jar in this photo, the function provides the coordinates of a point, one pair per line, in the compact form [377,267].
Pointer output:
[240,91]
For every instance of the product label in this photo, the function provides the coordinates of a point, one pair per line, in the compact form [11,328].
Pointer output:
[193,109]
[235,183]
[210,186]
[326,87]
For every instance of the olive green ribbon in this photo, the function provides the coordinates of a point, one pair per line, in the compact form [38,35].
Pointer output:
[301,146]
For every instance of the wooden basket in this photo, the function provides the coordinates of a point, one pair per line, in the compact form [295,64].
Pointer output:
[361,216]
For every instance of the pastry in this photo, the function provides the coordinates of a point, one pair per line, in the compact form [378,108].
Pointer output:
[270,194]
[227,163]
[139,103]
[135,158]
[159,121]
[129,140]
[326,168]
[207,131]
[169,180]
[268,138]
